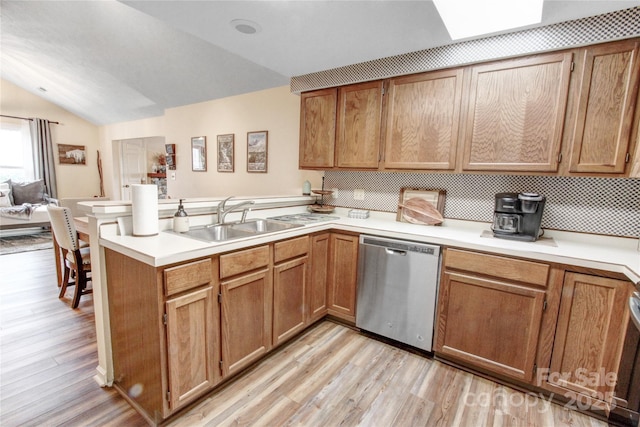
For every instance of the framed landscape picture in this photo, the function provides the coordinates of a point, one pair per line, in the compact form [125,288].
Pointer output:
[72,154]
[257,151]
[225,153]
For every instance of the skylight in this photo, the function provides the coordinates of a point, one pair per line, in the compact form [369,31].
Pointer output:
[468,18]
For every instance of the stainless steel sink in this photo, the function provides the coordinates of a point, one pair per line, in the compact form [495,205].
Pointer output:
[260,226]
[232,231]
[216,233]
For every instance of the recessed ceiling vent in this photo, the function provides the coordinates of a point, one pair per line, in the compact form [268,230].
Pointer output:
[245,26]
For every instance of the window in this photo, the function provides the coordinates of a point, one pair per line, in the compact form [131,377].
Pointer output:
[16,162]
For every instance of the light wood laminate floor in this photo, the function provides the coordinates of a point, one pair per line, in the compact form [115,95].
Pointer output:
[329,376]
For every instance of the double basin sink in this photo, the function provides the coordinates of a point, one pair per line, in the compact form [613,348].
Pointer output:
[237,230]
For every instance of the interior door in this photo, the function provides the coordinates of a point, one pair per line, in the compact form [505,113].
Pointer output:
[132,165]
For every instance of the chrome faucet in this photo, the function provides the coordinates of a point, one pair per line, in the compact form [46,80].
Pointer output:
[222,210]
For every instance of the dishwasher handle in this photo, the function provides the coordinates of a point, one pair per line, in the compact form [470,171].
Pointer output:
[392,251]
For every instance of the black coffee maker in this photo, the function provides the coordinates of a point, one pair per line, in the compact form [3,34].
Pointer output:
[517,216]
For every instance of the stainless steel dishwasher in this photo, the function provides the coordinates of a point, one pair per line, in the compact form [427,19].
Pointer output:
[397,289]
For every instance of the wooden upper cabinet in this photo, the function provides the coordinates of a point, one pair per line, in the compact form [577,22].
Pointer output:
[606,104]
[516,114]
[359,119]
[423,116]
[318,128]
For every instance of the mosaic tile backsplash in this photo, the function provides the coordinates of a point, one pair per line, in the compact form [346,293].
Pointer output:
[611,26]
[589,205]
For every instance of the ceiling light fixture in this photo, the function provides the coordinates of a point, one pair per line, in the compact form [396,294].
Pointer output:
[468,18]
[245,26]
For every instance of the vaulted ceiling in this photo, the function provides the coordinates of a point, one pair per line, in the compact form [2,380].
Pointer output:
[111,61]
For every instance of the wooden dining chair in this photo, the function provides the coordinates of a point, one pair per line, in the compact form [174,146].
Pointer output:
[76,258]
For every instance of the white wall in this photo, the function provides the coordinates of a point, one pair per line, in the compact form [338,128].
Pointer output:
[73,180]
[275,110]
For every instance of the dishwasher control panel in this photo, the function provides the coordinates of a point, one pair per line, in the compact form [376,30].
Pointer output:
[401,245]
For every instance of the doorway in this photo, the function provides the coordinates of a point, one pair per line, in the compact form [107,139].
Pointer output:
[135,159]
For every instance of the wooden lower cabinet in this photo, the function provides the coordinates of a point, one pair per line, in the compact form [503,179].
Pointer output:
[246,301]
[245,315]
[192,340]
[319,273]
[487,320]
[541,326]
[490,323]
[343,268]
[590,333]
[290,288]
[164,329]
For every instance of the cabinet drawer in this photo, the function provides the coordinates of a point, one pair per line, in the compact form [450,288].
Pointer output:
[290,248]
[241,261]
[183,277]
[492,265]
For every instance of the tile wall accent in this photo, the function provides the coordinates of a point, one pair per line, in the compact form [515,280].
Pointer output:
[590,205]
[596,29]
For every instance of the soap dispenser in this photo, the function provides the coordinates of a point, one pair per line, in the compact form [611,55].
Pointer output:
[181,220]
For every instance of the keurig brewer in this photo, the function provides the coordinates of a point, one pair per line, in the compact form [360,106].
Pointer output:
[517,216]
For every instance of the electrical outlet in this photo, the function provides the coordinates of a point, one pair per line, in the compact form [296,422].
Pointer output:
[358,194]
[173,176]
[334,195]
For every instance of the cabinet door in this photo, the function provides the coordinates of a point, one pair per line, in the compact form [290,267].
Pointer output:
[591,328]
[490,324]
[607,101]
[516,114]
[246,320]
[192,346]
[289,299]
[359,119]
[423,116]
[318,276]
[343,271]
[318,128]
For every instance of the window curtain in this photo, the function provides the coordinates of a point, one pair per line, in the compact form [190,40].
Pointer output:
[43,155]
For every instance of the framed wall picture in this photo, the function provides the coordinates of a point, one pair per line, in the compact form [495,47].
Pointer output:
[72,154]
[170,156]
[199,153]
[225,153]
[257,151]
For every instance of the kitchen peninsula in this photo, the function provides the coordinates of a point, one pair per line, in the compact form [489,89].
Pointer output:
[248,277]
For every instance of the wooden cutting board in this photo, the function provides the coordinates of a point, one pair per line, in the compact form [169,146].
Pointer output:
[419,211]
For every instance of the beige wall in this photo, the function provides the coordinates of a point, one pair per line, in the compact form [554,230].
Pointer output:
[73,180]
[275,110]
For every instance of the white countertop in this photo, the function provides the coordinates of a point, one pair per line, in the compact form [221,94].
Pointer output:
[613,254]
